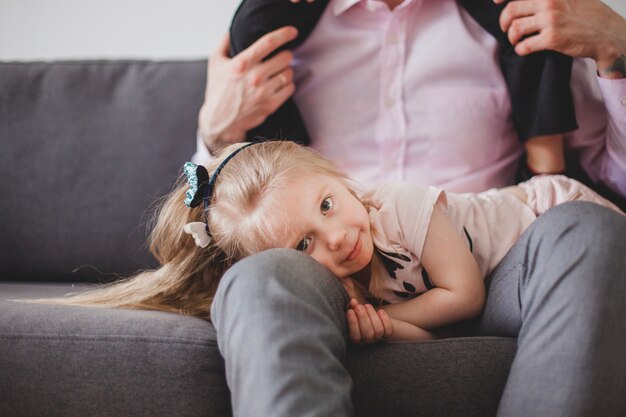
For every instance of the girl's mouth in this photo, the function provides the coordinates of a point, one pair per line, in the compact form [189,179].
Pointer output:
[355,252]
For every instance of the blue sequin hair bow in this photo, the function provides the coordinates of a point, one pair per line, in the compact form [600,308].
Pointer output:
[201,188]
[200,185]
[198,179]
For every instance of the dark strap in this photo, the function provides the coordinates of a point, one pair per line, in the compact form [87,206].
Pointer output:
[255,18]
[538,84]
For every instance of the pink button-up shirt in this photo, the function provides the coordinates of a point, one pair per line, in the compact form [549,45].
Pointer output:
[416,93]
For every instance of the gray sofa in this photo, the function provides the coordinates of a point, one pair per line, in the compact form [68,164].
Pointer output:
[85,149]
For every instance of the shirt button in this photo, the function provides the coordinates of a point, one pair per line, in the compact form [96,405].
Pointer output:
[392,38]
[389,102]
[623,101]
[389,165]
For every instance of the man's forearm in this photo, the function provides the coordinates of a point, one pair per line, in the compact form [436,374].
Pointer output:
[218,135]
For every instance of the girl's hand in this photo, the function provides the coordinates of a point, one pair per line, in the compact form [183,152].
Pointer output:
[578,28]
[366,325]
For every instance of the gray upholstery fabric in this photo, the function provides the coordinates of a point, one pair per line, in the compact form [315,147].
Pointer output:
[77,361]
[67,361]
[459,377]
[85,149]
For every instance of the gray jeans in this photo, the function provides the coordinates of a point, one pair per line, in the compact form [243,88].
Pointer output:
[561,290]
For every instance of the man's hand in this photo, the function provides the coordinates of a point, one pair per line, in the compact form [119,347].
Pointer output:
[243,91]
[366,325]
[578,28]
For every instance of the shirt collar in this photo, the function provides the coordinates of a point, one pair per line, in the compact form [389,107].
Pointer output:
[340,6]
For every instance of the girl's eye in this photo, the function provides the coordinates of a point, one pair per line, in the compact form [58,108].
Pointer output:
[304,244]
[326,205]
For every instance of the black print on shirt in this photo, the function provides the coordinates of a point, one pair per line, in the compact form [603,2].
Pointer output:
[402,294]
[469,240]
[410,288]
[427,282]
[390,264]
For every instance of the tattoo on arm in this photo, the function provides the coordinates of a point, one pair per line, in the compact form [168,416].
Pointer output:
[618,66]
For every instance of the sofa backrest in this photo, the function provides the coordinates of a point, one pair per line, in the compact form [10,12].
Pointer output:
[85,150]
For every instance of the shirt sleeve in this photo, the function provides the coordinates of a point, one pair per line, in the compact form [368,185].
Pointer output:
[600,139]
[406,212]
[202,155]
[416,231]
[614,93]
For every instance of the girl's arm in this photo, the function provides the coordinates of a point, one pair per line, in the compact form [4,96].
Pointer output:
[407,332]
[460,290]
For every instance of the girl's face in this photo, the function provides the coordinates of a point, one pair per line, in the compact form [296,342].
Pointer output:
[325,221]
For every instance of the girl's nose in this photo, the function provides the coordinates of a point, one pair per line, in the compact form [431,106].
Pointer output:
[336,237]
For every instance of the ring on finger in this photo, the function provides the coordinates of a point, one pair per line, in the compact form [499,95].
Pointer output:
[283,79]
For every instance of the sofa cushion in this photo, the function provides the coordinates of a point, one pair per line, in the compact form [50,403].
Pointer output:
[85,149]
[75,361]
[461,377]
[83,361]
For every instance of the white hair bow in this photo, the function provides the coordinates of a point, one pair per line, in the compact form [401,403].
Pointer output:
[198,232]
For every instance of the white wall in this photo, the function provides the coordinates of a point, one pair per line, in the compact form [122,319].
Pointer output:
[619,5]
[154,29]
[71,29]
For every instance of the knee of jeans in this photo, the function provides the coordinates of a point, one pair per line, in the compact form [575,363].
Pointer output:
[590,237]
[588,221]
[284,273]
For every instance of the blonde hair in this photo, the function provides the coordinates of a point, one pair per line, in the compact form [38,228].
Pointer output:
[243,219]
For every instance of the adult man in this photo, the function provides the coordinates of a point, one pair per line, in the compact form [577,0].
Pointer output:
[411,90]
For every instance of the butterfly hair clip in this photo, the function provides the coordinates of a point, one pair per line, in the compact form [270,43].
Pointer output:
[198,179]
[198,232]
[201,191]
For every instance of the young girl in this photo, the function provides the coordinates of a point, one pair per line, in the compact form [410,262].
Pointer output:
[423,251]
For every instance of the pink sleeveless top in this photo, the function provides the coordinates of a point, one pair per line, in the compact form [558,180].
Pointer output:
[400,214]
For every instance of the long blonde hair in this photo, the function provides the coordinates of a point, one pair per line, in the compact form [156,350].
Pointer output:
[243,219]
